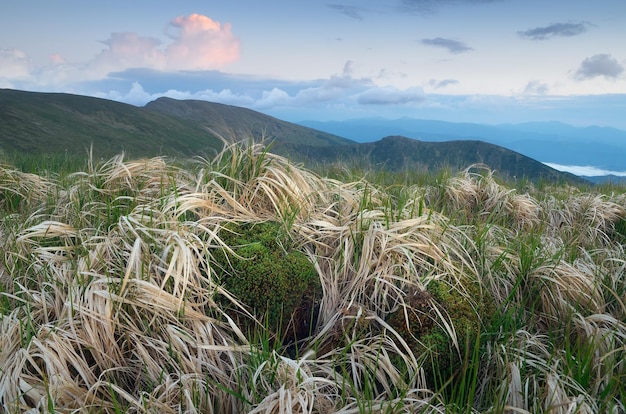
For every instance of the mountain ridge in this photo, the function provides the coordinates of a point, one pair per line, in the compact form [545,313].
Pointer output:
[398,153]
[231,121]
[48,123]
[36,122]
[554,142]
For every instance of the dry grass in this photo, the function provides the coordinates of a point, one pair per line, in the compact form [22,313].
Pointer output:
[111,300]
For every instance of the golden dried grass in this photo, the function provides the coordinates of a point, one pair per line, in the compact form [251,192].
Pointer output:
[109,297]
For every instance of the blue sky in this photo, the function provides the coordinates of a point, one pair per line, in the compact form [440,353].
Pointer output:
[484,61]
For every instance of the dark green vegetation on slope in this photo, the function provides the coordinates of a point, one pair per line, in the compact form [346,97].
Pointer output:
[53,123]
[62,124]
[399,154]
[236,123]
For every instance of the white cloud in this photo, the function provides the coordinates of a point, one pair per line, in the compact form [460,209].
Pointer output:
[585,170]
[271,97]
[139,97]
[275,97]
[135,96]
[127,50]
[338,89]
[14,64]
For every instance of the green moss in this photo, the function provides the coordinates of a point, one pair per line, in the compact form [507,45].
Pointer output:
[276,282]
[429,338]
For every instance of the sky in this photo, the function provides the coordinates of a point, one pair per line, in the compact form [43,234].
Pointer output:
[483,61]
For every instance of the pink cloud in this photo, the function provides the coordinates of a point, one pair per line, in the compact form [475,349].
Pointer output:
[56,58]
[197,43]
[201,43]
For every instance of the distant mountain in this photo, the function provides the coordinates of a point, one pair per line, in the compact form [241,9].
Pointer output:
[397,153]
[47,123]
[607,179]
[544,141]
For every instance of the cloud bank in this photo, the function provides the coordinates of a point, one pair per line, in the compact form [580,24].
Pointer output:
[585,170]
[343,89]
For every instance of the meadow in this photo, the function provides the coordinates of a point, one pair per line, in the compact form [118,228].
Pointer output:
[245,283]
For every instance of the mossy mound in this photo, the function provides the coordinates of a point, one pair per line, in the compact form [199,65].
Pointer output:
[278,284]
[427,336]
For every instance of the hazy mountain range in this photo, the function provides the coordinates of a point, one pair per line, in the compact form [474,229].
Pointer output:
[47,123]
[551,142]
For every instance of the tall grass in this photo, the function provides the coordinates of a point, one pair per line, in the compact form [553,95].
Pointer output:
[451,294]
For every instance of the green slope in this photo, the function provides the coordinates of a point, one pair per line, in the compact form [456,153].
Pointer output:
[53,122]
[233,122]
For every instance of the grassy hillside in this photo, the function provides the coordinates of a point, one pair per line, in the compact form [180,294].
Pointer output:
[242,283]
[401,153]
[236,123]
[44,123]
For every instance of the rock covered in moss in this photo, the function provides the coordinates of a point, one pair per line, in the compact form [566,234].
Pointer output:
[278,284]
[420,325]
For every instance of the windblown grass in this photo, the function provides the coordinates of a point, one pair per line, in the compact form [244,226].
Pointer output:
[455,295]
